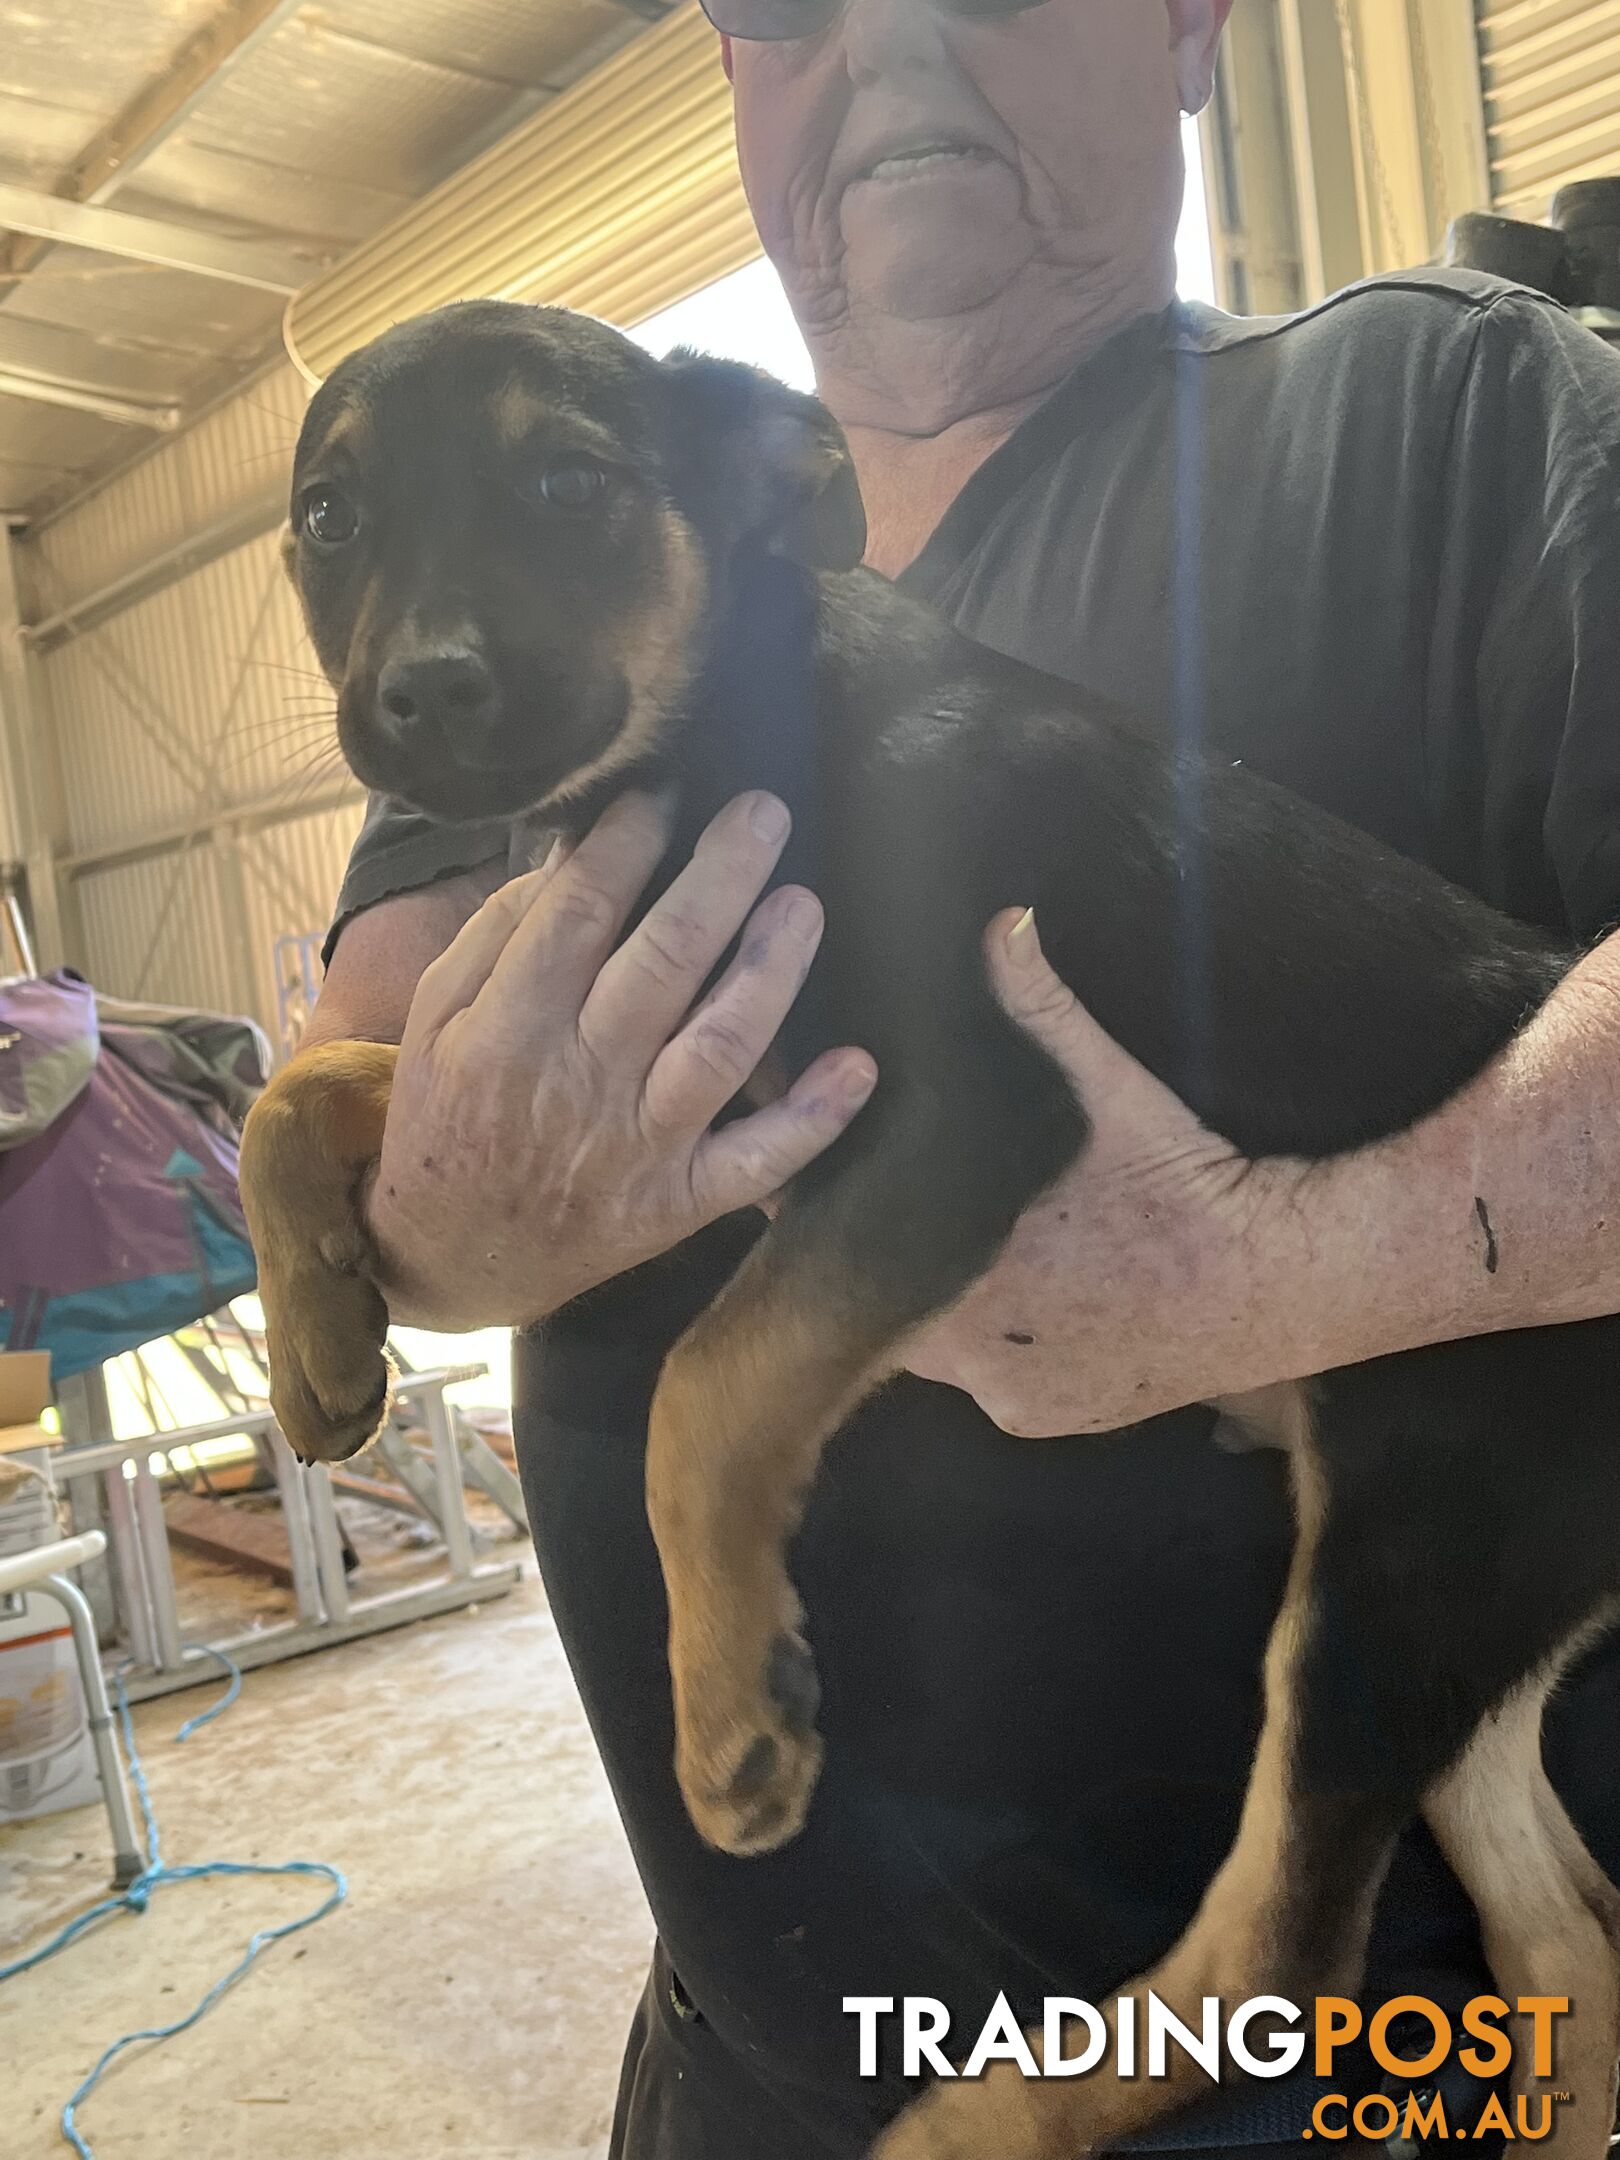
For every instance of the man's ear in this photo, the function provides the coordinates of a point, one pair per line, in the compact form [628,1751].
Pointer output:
[1195,37]
[761,464]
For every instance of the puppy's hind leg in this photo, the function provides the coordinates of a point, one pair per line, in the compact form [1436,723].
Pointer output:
[1287,1914]
[1549,1915]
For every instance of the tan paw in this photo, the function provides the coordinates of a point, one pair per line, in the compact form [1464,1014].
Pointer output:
[329,1371]
[747,1772]
[933,2129]
[1000,2116]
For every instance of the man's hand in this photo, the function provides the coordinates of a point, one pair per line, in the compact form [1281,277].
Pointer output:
[1164,1268]
[551,1111]
[1128,1287]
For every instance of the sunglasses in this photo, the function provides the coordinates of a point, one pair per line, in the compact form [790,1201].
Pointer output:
[777,21]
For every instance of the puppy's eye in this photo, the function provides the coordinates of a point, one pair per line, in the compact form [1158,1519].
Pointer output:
[575,485]
[329,516]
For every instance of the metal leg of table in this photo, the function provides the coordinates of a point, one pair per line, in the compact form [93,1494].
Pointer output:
[86,1512]
[447,1466]
[483,1467]
[154,1541]
[413,1473]
[127,1858]
[129,1565]
[306,1572]
[328,1542]
[87,1419]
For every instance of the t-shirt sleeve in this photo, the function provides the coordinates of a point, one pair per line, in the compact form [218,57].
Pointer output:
[1536,509]
[398,850]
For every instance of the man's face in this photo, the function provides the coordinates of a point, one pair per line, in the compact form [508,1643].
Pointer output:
[908,167]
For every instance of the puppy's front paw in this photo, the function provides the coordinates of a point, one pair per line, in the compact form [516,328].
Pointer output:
[329,1371]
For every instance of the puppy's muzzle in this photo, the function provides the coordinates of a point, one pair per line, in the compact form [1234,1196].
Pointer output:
[451,691]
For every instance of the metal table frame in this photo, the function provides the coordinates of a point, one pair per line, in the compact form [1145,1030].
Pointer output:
[142,1598]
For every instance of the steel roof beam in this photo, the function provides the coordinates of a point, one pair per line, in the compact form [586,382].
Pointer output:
[57,367]
[48,390]
[153,240]
[146,123]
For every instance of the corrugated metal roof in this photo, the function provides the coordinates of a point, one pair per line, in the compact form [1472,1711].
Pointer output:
[534,47]
[134,304]
[311,103]
[85,60]
[337,118]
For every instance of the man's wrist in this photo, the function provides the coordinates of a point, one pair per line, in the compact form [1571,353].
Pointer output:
[1418,1239]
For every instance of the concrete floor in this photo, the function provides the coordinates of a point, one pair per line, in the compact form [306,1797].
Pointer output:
[470,1999]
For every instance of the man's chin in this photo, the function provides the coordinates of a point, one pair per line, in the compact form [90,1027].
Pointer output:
[913,252]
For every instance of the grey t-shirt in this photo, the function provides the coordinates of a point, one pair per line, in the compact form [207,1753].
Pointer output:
[1374,552]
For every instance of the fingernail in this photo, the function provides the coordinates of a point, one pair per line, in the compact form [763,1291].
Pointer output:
[858,1083]
[1021,945]
[804,916]
[768,818]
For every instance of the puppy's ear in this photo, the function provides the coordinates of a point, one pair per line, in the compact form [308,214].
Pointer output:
[761,464]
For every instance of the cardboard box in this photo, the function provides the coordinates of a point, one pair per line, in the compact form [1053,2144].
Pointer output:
[25,1390]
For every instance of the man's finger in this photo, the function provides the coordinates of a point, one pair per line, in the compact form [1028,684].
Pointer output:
[556,951]
[1042,1002]
[647,986]
[747,1162]
[449,984]
[696,1075]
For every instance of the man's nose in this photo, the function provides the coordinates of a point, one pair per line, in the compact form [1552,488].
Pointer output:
[452,688]
[886,38]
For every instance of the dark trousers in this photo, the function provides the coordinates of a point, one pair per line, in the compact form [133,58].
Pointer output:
[682,2096]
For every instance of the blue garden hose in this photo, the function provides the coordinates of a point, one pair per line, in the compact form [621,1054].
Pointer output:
[153,1877]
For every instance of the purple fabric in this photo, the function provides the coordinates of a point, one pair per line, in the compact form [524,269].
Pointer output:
[120,1220]
[48,1043]
[100,1197]
[218,1064]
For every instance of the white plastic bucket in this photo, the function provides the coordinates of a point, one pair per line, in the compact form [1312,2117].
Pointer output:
[46,1761]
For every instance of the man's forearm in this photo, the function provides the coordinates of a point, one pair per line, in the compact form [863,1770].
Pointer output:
[1163,1269]
[1500,1211]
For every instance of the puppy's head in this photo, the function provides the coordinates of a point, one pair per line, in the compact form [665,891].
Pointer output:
[511,531]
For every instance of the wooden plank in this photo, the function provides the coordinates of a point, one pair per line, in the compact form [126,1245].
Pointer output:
[350,1485]
[225,1533]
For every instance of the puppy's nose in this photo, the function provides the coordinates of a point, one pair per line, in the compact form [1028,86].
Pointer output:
[453,687]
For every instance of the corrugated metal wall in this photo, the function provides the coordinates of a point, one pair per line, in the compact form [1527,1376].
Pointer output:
[189,724]
[227,458]
[1549,69]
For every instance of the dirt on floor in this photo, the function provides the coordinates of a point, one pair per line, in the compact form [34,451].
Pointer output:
[470,1999]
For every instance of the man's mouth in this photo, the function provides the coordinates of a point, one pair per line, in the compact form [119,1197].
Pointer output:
[921,159]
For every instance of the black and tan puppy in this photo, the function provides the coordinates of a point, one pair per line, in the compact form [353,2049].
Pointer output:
[538,565]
